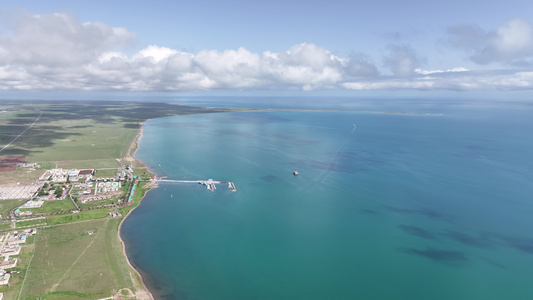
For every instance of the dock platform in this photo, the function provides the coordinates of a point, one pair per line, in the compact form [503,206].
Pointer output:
[210,183]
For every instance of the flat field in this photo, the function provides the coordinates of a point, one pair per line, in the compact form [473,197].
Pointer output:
[7,205]
[82,260]
[51,206]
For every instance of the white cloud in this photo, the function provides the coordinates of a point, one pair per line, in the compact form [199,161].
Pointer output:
[111,55]
[510,43]
[57,52]
[428,72]
[156,53]
[58,39]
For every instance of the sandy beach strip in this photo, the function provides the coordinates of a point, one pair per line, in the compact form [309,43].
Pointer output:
[141,293]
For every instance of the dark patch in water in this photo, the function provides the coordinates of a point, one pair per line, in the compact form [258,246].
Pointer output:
[422,212]
[522,244]
[463,238]
[417,231]
[444,256]
[272,179]
[495,264]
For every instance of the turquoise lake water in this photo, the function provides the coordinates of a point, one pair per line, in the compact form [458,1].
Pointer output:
[397,206]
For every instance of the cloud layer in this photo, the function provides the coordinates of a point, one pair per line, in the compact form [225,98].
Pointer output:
[510,43]
[57,52]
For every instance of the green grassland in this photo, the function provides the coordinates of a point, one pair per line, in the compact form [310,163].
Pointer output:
[8,205]
[30,223]
[71,264]
[107,172]
[5,226]
[51,206]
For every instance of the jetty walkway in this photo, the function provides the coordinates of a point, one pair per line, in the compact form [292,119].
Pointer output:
[210,183]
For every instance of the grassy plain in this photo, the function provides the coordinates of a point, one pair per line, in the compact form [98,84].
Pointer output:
[51,206]
[8,205]
[70,263]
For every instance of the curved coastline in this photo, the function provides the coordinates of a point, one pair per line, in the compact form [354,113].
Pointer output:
[143,293]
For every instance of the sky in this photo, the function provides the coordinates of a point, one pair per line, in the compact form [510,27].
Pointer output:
[336,46]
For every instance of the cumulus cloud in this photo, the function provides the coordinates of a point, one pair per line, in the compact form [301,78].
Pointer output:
[58,52]
[510,43]
[402,60]
[58,39]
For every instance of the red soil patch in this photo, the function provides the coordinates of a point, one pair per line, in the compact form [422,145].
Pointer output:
[9,163]
[13,159]
[64,163]
[7,167]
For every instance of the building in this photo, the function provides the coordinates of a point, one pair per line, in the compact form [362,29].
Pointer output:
[4,277]
[8,263]
[85,173]
[10,251]
[16,239]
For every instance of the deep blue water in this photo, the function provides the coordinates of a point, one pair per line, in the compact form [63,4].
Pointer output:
[399,206]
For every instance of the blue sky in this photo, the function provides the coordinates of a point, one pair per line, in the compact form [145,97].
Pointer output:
[297,46]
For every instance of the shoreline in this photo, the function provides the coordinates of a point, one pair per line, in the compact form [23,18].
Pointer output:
[143,292]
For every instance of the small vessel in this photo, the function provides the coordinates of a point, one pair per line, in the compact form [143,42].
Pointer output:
[295,173]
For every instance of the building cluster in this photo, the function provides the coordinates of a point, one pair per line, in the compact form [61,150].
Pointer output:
[29,204]
[30,166]
[104,187]
[99,189]
[62,175]
[115,214]
[11,247]
[58,184]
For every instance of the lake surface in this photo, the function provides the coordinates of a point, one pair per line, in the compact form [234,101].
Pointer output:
[386,206]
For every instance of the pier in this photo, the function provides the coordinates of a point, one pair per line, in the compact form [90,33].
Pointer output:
[210,183]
